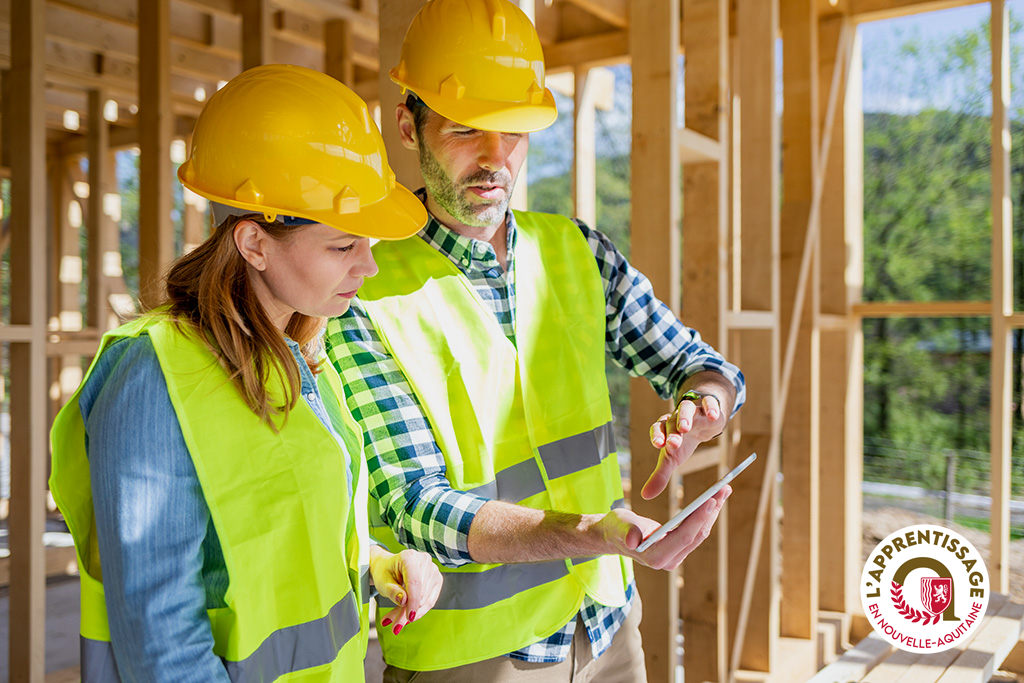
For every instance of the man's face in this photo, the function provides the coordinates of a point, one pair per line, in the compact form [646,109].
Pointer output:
[470,173]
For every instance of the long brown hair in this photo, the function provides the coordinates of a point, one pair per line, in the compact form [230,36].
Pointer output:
[209,290]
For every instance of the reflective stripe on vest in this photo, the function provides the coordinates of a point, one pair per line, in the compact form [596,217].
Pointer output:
[566,456]
[286,651]
[528,422]
[297,596]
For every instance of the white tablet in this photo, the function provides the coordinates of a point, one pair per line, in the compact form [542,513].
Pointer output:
[676,520]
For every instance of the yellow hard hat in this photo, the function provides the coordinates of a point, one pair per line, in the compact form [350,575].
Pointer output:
[479,63]
[284,140]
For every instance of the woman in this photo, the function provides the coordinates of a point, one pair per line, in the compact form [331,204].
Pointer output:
[207,467]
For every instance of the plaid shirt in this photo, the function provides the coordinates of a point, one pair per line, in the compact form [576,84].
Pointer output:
[406,467]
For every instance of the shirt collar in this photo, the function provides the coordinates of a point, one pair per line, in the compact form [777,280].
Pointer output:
[455,246]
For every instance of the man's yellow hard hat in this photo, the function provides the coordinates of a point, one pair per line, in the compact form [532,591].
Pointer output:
[285,140]
[479,63]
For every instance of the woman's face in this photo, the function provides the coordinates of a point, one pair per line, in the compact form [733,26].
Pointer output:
[315,270]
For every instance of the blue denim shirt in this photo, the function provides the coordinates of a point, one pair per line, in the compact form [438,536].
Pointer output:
[161,559]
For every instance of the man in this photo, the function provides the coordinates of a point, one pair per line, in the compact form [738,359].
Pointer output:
[475,364]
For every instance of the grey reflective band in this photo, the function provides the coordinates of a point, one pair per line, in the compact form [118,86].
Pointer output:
[475,590]
[299,647]
[565,456]
[97,661]
[289,649]
[364,583]
[578,452]
[513,484]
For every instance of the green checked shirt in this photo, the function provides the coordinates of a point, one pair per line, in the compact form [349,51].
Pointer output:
[406,467]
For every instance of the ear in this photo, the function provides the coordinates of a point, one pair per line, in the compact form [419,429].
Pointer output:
[251,241]
[407,127]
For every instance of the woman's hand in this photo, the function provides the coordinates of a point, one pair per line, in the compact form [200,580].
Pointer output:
[409,579]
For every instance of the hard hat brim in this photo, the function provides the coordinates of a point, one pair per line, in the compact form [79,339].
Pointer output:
[501,117]
[398,215]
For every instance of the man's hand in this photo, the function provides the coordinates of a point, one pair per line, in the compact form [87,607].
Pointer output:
[408,579]
[679,433]
[625,530]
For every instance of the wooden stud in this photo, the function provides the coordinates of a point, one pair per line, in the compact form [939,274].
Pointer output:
[156,235]
[753,611]
[654,45]
[839,533]
[1000,430]
[97,221]
[257,33]
[338,49]
[800,488]
[705,36]
[28,358]
[584,163]
[395,17]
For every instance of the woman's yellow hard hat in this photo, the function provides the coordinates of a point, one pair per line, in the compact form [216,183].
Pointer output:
[285,140]
[479,63]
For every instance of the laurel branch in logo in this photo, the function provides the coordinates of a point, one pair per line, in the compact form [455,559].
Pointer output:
[909,612]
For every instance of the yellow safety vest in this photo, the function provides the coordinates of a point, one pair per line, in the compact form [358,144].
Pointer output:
[294,537]
[528,423]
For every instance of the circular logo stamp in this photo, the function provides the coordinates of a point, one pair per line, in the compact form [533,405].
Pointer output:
[924,588]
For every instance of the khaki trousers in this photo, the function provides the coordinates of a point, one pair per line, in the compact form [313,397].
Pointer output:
[622,662]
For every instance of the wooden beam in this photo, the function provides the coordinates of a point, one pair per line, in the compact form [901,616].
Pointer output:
[28,359]
[156,236]
[1001,398]
[800,468]
[653,43]
[874,10]
[609,11]
[600,50]
[695,148]
[921,309]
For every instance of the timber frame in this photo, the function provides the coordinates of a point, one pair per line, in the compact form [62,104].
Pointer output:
[773,284]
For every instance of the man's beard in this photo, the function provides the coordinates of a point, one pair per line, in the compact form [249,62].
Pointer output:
[452,197]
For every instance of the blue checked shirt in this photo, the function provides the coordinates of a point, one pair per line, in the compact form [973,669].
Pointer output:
[406,467]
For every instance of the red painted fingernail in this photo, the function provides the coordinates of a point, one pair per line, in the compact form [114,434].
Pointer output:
[412,616]
[398,629]
[386,622]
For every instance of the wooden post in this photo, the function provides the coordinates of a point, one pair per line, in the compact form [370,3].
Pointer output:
[28,355]
[800,466]
[705,36]
[1002,301]
[759,350]
[395,17]
[97,222]
[156,235]
[654,45]
[839,532]
[257,32]
[338,48]
[584,162]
